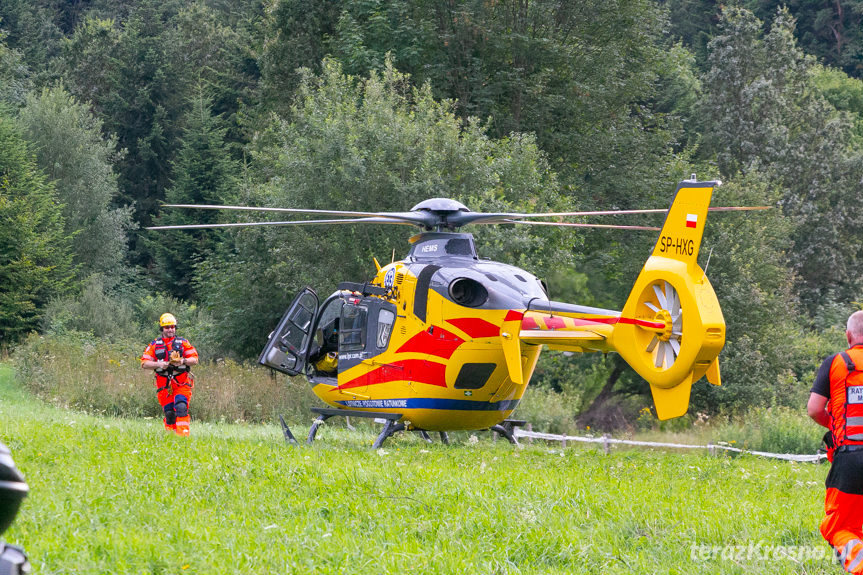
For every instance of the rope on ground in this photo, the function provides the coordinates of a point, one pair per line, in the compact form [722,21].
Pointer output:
[607,441]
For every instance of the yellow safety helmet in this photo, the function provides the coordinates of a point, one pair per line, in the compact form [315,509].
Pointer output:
[167,319]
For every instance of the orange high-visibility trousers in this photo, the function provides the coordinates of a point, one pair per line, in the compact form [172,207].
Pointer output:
[167,390]
[842,525]
[182,426]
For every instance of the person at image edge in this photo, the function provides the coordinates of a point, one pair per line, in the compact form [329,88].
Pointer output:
[836,402]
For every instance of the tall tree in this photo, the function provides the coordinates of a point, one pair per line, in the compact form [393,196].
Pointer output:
[763,112]
[14,83]
[35,262]
[126,70]
[33,32]
[216,53]
[89,61]
[295,37]
[368,144]
[585,77]
[831,30]
[846,95]
[140,74]
[204,173]
[694,22]
[73,152]
[580,75]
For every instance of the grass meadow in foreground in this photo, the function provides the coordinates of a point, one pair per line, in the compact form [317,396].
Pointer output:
[113,495]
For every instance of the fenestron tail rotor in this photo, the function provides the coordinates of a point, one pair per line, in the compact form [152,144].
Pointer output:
[664,347]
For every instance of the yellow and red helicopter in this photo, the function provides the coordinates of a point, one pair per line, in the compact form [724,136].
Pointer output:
[443,340]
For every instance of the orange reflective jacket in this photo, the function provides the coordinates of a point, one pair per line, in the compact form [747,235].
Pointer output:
[160,349]
[846,398]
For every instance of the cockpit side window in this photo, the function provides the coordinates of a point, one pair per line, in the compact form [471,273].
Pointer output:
[459,247]
[386,318]
[327,332]
[352,332]
[328,321]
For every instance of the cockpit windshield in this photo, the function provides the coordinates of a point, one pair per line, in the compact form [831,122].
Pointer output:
[434,246]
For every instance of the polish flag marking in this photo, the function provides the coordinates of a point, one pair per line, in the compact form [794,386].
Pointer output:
[691,220]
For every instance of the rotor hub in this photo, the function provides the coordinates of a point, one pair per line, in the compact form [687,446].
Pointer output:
[439,212]
[663,316]
[440,206]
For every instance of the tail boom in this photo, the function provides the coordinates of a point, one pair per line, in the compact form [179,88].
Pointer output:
[671,328]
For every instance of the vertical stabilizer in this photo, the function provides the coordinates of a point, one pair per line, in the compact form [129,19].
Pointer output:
[673,292]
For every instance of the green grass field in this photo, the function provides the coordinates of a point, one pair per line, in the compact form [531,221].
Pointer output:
[120,496]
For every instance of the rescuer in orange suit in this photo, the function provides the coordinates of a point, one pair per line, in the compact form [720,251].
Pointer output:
[171,357]
[836,402]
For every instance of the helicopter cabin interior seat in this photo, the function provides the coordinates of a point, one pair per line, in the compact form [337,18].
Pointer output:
[324,353]
[324,348]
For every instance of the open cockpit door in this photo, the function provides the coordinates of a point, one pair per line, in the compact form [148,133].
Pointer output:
[288,347]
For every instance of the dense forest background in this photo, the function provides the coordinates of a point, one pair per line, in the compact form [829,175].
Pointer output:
[108,109]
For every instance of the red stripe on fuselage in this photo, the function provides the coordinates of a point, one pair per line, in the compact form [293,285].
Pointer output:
[628,320]
[476,327]
[513,315]
[440,343]
[414,370]
[552,322]
[559,322]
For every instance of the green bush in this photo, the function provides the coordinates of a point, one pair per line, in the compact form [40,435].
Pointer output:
[776,430]
[94,311]
[193,323]
[77,371]
[549,411]
[128,317]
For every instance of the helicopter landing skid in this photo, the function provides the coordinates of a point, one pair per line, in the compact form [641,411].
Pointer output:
[444,438]
[390,425]
[289,437]
[390,428]
[507,427]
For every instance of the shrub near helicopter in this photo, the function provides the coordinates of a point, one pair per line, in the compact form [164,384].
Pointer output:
[443,340]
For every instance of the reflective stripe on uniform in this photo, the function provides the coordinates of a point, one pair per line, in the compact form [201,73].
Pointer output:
[843,554]
[852,560]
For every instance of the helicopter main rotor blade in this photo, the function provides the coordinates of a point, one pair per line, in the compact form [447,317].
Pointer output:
[629,212]
[451,215]
[412,217]
[575,225]
[473,216]
[465,218]
[375,220]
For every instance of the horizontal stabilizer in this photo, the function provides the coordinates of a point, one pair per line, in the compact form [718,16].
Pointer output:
[537,337]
